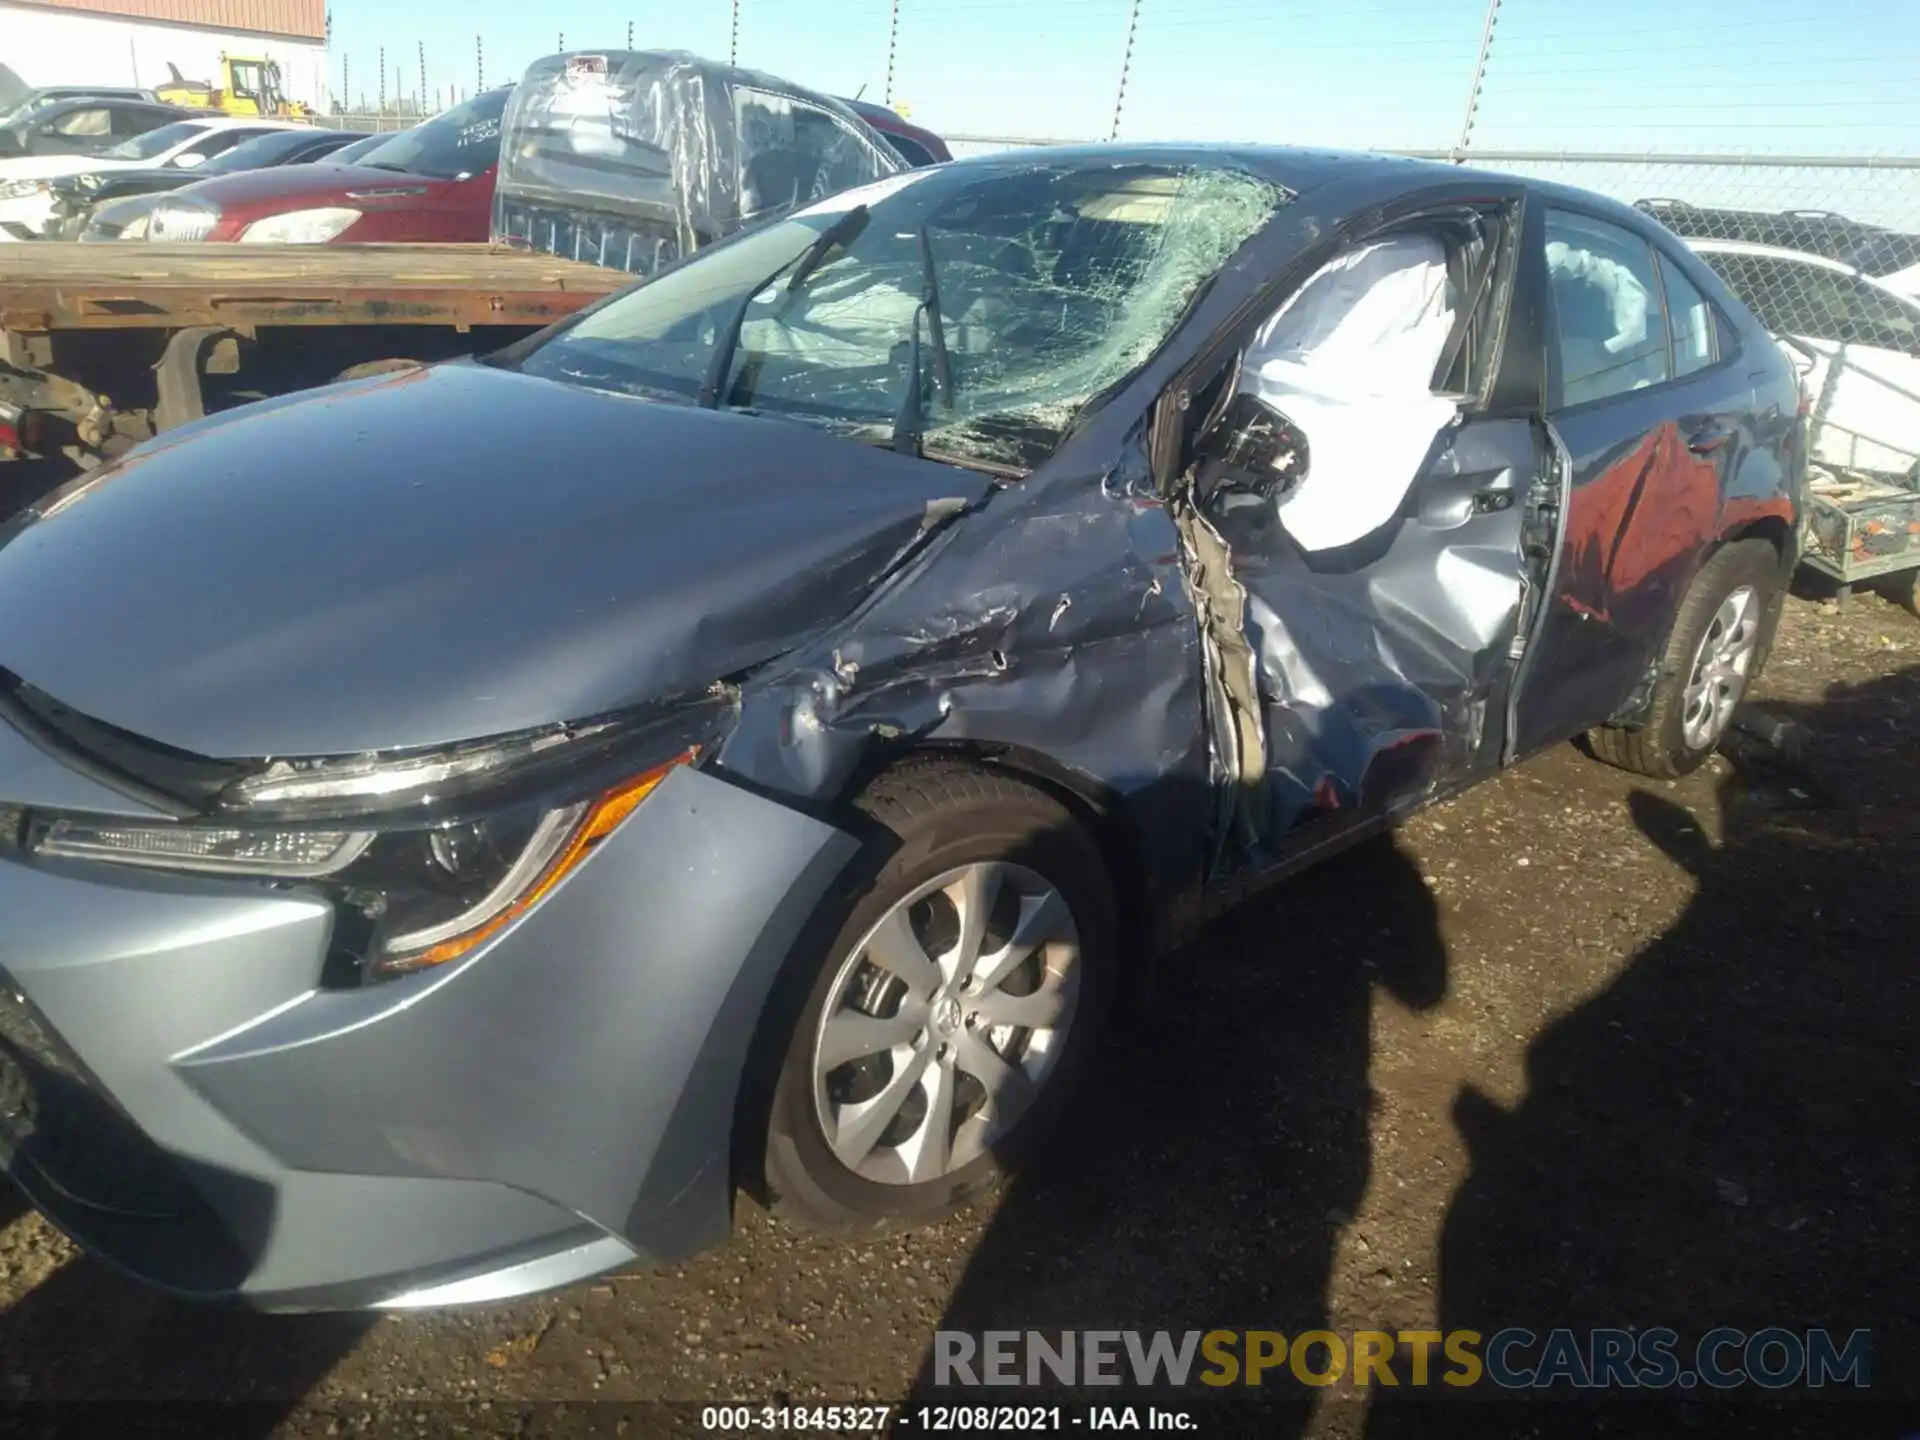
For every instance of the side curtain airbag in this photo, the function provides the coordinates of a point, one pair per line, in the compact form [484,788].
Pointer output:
[1350,360]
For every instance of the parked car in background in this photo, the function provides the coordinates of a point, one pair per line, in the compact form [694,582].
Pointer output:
[1872,249]
[912,143]
[78,127]
[747,733]
[633,159]
[431,183]
[27,186]
[116,205]
[1860,343]
[13,109]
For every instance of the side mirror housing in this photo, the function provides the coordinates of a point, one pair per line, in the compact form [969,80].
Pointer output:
[189,161]
[1251,447]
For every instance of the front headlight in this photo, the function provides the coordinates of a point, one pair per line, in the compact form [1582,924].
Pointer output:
[301,227]
[181,221]
[20,189]
[426,856]
[136,228]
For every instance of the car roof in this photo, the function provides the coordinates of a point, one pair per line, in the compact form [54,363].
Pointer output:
[81,102]
[1302,168]
[244,122]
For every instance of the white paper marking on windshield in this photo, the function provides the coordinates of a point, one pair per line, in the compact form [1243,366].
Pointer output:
[863,194]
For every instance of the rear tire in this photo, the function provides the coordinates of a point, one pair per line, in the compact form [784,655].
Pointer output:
[970,1090]
[1713,655]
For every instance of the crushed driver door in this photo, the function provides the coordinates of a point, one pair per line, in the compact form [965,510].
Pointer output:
[1362,641]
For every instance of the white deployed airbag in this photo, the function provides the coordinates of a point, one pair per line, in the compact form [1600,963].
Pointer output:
[1349,359]
[1625,294]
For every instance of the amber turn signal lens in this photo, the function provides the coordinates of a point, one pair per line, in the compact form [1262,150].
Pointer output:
[601,820]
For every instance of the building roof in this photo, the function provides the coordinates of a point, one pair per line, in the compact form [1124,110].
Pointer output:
[293,19]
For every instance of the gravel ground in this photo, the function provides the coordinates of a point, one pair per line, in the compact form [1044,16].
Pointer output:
[1574,1049]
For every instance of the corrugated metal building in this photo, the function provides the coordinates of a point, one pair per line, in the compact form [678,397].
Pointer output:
[132,42]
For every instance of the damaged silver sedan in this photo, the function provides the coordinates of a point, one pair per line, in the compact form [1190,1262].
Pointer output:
[458,827]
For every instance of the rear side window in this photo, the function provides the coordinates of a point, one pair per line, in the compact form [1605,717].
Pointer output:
[1610,333]
[83,123]
[1689,321]
[792,153]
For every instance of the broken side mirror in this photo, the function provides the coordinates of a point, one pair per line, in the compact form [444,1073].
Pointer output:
[1251,447]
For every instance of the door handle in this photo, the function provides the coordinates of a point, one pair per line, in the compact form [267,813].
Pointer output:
[1710,438]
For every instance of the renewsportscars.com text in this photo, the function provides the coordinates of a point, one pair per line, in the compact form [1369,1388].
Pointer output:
[1774,1358]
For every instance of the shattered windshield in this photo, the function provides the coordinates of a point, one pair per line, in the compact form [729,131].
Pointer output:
[984,306]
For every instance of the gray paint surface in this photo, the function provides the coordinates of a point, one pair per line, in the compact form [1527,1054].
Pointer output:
[446,554]
[553,1059]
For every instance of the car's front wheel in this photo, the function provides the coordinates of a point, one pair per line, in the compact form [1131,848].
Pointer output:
[1713,655]
[955,1008]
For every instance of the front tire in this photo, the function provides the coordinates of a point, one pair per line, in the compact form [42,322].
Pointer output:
[954,1010]
[1713,655]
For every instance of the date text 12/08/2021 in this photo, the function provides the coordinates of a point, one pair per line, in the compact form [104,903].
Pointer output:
[938,1419]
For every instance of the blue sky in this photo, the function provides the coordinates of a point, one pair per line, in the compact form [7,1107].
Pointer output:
[1743,75]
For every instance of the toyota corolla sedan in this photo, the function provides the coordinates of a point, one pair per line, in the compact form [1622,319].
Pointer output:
[459,828]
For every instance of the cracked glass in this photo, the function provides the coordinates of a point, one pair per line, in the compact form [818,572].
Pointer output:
[1044,285]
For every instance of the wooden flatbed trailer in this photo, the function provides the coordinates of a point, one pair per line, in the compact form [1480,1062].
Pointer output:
[103,346]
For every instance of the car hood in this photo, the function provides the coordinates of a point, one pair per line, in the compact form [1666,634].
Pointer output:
[125,182]
[55,167]
[315,183]
[445,554]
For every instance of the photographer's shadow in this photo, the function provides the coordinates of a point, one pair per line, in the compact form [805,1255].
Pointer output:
[1202,1177]
[85,1334]
[1725,1135]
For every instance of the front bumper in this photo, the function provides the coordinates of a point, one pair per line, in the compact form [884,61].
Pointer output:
[26,217]
[177,1094]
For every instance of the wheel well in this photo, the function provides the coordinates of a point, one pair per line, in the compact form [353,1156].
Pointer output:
[1090,802]
[1770,528]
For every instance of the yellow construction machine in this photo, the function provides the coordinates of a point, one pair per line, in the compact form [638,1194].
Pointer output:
[249,85]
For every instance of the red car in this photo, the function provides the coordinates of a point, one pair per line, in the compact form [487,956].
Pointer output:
[917,146]
[433,183]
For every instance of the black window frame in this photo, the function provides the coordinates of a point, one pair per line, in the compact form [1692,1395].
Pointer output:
[1717,326]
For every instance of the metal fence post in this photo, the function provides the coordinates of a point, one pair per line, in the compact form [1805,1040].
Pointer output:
[1126,64]
[733,41]
[893,46]
[1479,76]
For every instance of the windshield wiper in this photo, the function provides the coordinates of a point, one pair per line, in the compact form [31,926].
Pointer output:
[909,427]
[841,232]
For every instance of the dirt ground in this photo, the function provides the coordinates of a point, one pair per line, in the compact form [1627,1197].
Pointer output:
[1576,1049]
